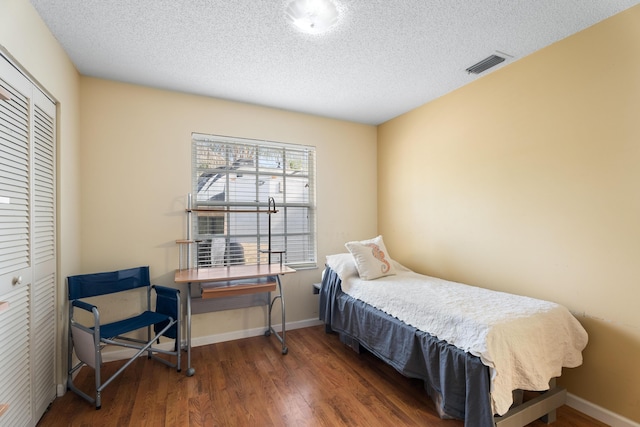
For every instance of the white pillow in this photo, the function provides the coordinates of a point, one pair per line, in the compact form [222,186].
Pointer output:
[343,264]
[371,257]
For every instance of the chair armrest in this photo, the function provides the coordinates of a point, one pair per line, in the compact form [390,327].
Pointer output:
[88,307]
[163,290]
[83,305]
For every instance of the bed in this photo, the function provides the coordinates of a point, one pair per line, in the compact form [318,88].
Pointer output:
[475,349]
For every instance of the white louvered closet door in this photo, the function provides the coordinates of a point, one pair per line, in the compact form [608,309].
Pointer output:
[27,249]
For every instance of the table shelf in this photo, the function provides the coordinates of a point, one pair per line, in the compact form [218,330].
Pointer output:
[235,290]
[223,210]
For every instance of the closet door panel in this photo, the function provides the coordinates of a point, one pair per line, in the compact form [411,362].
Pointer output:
[27,249]
[15,159]
[43,332]
[15,248]
[15,383]
[43,252]
[44,181]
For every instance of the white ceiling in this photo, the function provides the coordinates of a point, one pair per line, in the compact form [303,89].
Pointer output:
[383,58]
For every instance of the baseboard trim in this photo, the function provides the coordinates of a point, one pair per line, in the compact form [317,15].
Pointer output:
[598,412]
[124,354]
[248,333]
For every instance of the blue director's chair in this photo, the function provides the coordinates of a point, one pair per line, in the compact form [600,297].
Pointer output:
[88,340]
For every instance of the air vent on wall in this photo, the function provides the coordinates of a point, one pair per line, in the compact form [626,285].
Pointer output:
[485,64]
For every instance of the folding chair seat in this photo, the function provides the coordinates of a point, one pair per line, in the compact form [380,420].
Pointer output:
[88,339]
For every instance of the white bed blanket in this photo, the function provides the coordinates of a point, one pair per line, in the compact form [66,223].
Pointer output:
[525,341]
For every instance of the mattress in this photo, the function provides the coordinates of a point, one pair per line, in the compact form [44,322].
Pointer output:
[523,341]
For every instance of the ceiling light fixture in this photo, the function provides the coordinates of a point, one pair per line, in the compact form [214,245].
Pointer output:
[312,16]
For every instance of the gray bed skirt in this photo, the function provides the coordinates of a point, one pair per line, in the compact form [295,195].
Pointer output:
[458,380]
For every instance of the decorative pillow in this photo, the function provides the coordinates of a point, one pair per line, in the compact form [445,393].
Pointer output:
[371,257]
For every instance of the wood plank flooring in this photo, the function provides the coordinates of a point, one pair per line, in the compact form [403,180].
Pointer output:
[248,382]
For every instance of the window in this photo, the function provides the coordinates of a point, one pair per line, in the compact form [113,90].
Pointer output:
[238,179]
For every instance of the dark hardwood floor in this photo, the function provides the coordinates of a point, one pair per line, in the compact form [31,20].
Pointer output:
[248,382]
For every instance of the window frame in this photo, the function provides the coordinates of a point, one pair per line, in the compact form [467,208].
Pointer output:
[249,158]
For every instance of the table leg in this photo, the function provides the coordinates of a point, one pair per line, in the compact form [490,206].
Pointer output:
[281,335]
[285,350]
[190,370]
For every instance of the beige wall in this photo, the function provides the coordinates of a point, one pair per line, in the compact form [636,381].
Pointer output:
[24,37]
[528,181]
[136,168]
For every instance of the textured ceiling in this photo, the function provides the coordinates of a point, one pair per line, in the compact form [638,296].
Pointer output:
[383,58]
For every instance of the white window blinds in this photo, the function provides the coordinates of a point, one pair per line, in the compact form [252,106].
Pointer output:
[237,179]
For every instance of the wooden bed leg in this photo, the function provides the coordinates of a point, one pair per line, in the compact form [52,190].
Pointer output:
[541,407]
[550,417]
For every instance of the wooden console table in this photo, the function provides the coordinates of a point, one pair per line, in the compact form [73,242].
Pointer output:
[219,282]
